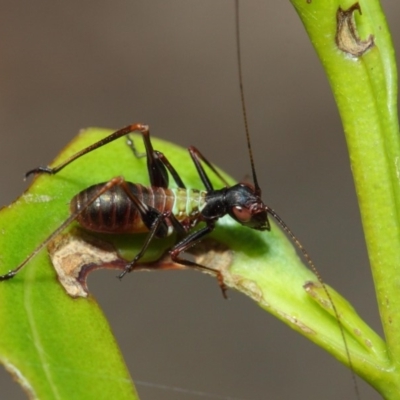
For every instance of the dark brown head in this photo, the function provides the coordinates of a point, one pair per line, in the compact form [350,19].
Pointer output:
[245,206]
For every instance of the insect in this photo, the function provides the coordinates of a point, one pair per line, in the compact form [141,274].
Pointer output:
[118,206]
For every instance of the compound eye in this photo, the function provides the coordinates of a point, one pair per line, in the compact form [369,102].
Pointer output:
[242,214]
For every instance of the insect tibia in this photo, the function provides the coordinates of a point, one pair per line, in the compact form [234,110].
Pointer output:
[131,144]
[39,170]
[8,276]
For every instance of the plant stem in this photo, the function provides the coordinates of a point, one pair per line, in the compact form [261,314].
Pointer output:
[365,89]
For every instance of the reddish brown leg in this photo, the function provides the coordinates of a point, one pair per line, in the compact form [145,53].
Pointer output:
[144,129]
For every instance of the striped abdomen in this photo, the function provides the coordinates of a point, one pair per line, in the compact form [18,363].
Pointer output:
[114,211]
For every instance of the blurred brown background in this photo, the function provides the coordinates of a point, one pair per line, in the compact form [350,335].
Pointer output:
[171,64]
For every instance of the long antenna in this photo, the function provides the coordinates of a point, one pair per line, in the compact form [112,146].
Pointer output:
[274,214]
[320,280]
[246,124]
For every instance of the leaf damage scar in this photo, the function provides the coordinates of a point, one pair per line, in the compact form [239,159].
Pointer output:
[77,253]
[347,38]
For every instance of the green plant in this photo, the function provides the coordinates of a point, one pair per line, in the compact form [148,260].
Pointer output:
[54,353]
[362,72]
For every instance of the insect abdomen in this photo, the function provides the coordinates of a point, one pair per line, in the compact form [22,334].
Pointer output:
[115,212]
[188,204]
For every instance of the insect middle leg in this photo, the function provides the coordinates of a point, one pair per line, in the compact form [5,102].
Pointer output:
[185,244]
[156,167]
[197,157]
[155,231]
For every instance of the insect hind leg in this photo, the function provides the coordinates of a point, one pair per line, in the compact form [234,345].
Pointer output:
[107,186]
[158,164]
[144,129]
[131,144]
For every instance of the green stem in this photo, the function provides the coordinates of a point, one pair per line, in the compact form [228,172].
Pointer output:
[365,89]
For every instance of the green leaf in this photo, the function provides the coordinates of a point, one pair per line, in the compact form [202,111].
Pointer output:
[57,347]
[61,345]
